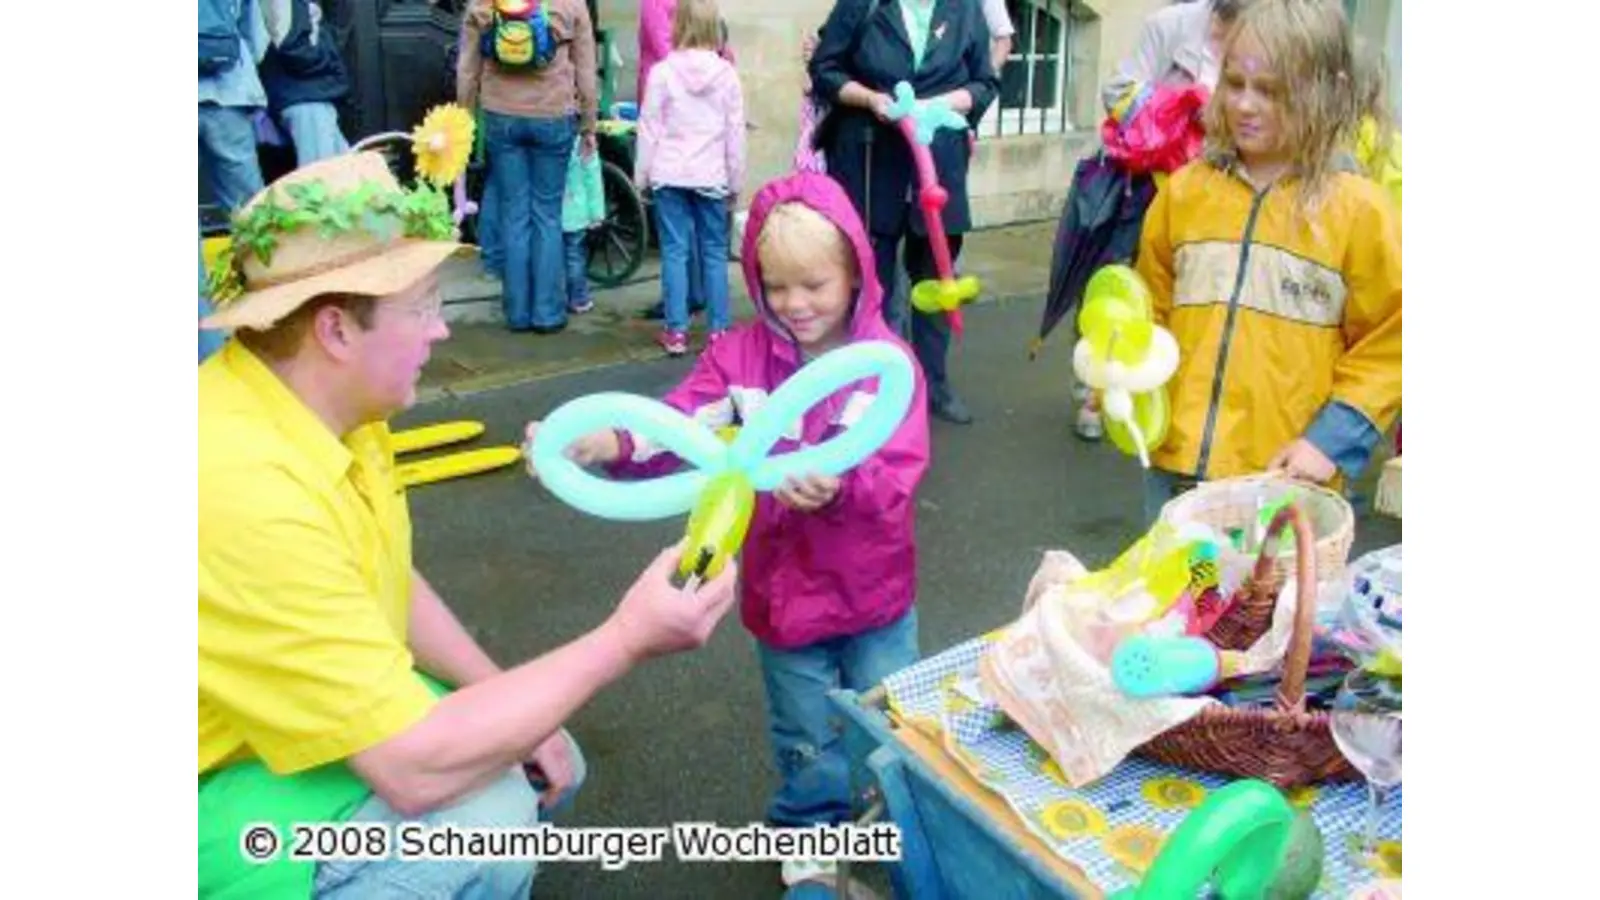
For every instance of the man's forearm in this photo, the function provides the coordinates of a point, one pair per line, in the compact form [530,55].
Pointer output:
[472,736]
[442,647]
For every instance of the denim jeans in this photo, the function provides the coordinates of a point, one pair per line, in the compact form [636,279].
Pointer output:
[228,160]
[509,802]
[815,777]
[929,335]
[529,170]
[490,247]
[314,128]
[577,248]
[693,225]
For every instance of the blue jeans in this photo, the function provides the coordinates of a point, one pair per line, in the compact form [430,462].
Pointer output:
[815,777]
[228,160]
[697,287]
[929,335]
[509,802]
[1160,486]
[577,248]
[692,225]
[490,246]
[529,171]
[314,128]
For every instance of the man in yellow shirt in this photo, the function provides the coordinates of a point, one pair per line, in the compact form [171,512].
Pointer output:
[334,683]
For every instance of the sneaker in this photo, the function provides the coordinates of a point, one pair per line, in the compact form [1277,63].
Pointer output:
[676,343]
[714,336]
[1089,426]
[580,307]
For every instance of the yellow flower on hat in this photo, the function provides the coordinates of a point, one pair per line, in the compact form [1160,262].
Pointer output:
[1173,793]
[1072,818]
[1134,846]
[443,143]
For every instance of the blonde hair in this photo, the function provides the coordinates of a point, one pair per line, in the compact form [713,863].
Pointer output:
[696,25]
[1307,43]
[795,236]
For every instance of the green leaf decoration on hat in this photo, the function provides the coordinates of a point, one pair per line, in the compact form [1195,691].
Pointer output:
[421,213]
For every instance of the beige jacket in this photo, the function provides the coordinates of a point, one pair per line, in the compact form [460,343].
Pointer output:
[564,87]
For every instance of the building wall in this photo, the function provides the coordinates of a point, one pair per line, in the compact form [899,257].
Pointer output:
[1014,178]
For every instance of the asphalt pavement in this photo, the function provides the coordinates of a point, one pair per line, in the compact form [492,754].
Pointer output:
[684,739]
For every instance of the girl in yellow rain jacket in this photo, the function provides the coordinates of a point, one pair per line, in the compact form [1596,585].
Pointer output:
[1277,271]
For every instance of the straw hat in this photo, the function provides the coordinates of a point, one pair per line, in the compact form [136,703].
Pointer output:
[342,242]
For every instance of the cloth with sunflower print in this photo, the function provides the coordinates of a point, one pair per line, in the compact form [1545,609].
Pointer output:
[1112,829]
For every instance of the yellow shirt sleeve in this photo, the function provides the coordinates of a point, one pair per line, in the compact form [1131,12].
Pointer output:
[1367,375]
[295,650]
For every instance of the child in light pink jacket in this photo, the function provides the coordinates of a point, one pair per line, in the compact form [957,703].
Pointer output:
[691,155]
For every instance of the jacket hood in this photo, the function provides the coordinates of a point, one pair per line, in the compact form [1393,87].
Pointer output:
[698,70]
[824,195]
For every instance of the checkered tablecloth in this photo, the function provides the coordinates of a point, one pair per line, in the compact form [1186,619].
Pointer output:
[1113,829]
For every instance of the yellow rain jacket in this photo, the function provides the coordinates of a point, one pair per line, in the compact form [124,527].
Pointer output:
[1284,329]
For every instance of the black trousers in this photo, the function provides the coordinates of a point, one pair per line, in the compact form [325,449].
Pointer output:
[929,335]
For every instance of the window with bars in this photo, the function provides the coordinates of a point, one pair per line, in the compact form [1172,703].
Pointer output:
[1036,82]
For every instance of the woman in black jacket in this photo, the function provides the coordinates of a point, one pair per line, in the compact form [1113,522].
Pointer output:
[941,48]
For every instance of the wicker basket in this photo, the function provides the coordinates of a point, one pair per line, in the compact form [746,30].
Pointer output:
[1233,503]
[1285,745]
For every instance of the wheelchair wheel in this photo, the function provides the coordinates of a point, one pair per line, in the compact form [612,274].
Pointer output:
[617,245]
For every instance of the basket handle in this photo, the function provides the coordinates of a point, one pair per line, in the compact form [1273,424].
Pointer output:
[1292,690]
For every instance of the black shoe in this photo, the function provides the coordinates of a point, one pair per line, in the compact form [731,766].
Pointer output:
[548,329]
[952,410]
[659,311]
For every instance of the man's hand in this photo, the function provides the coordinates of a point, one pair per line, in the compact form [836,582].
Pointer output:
[594,449]
[807,494]
[655,618]
[587,145]
[1301,459]
[553,760]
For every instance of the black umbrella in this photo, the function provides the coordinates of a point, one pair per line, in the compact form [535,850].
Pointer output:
[1100,225]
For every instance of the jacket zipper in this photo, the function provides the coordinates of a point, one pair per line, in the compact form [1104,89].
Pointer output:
[1227,335]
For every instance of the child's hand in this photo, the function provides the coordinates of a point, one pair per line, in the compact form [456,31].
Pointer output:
[1302,460]
[590,450]
[809,493]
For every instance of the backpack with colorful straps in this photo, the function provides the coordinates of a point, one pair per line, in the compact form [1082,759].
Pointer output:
[519,35]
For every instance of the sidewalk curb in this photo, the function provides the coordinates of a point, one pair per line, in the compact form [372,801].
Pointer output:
[534,372]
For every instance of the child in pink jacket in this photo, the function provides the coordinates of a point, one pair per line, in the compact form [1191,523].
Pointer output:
[691,154]
[828,571]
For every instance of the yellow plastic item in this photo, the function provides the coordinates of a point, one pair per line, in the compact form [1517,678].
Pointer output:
[438,435]
[456,465]
[717,525]
[212,248]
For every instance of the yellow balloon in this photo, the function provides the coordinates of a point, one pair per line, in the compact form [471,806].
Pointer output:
[1152,414]
[717,525]
[1126,342]
[1117,287]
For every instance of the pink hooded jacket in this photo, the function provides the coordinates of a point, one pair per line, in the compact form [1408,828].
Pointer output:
[655,40]
[851,566]
[691,130]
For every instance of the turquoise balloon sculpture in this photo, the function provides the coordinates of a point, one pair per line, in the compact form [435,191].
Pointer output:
[707,455]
